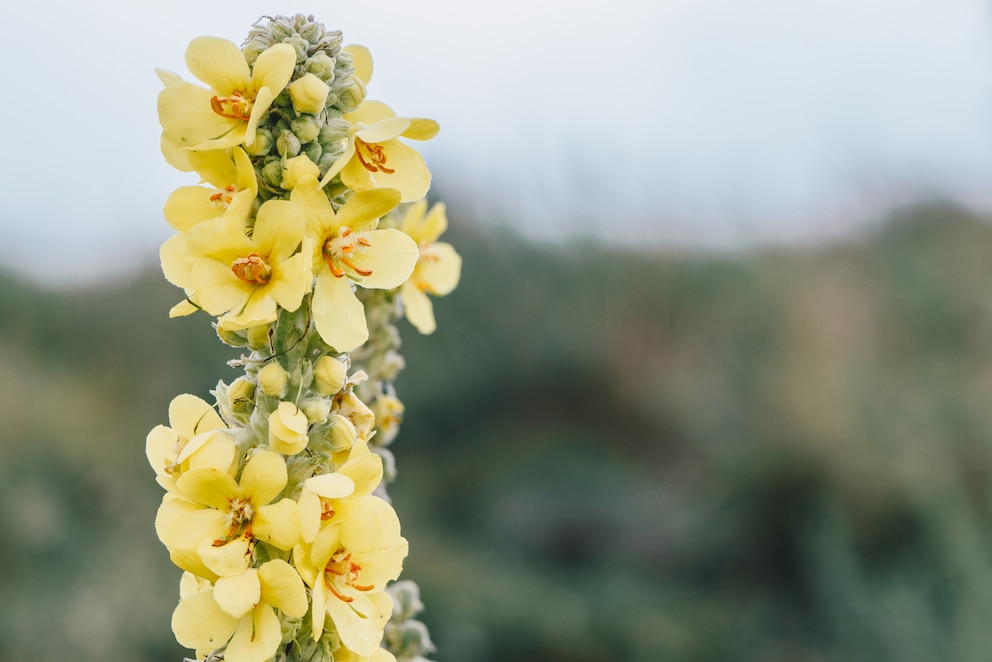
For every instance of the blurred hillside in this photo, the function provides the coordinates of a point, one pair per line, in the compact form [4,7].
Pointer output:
[778,456]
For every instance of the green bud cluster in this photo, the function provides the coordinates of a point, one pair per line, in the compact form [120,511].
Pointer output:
[286,131]
[406,637]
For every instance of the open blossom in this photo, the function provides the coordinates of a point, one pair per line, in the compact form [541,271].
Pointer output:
[375,157]
[347,567]
[438,267]
[243,279]
[349,251]
[239,612]
[213,524]
[232,182]
[195,437]
[227,114]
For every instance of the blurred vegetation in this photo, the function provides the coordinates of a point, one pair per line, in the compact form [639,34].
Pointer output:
[782,455]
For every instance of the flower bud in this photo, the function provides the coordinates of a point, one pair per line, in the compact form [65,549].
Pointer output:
[353,96]
[241,395]
[306,128]
[232,337]
[263,143]
[288,144]
[300,44]
[309,93]
[313,150]
[321,65]
[341,435]
[316,409]
[258,336]
[272,171]
[406,600]
[288,429]
[273,379]
[296,168]
[329,375]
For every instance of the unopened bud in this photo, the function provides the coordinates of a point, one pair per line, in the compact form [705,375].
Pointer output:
[262,144]
[321,65]
[312,151]
[288,429]
[329,375]
[296,168]
[341,435]
[241,395]
[353,96]
[309,93]
[272,171]
[273,379]
[306,128]
[287,144]
[258,336]
[316,409]
[300,44]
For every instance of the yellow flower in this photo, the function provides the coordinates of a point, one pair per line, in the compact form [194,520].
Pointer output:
[347,568]
[213,524]
[322,496]
[227,114]
[388,411]
[239,612]
[245,278]
[348,249]
[438,267]
[232,180]
[376,158]
[191,440]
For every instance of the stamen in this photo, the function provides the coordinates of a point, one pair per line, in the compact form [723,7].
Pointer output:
[364,241]
[376,155]
[330,587]
[234,107]
[351,265]
[252,270]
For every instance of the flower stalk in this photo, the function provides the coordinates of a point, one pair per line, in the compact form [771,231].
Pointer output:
[307,238]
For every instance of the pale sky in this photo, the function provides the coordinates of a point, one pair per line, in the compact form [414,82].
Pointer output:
[680,122]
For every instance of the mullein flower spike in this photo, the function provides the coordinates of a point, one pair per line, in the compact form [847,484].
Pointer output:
[305,237]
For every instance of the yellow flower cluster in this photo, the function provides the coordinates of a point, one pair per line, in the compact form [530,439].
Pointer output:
[306,236]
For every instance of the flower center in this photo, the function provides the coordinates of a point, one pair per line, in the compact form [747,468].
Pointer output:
[372,156]
[224,196]
[342,571]
[238,517]
[340,250]
[234,107]
[252,269]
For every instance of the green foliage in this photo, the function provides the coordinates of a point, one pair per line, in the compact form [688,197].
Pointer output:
[606,454]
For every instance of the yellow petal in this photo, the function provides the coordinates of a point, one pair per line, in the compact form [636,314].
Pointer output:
[263,477]
[273,68]
[440,269]
[293,279]
[435,224]
[228,559]
[383,130]
[208,486]
[331,486]
[391,259]
[362,59]
[217,289]
[282,588]
[278,524]
[365,207]
[189,205]
[365,471]
[199,623]
[190,415]
[239,594]
[418,308]
[310,512]
[360,623]
[370,112]
[317,211]
[177,265]
[278,230]
[183,308]
[211,449]
[160,447]
[410,174]
[338,314]
[421,129]
[185,114]
[219,63]
[257,638]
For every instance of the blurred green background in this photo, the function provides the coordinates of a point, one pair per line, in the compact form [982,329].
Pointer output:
[608,453]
